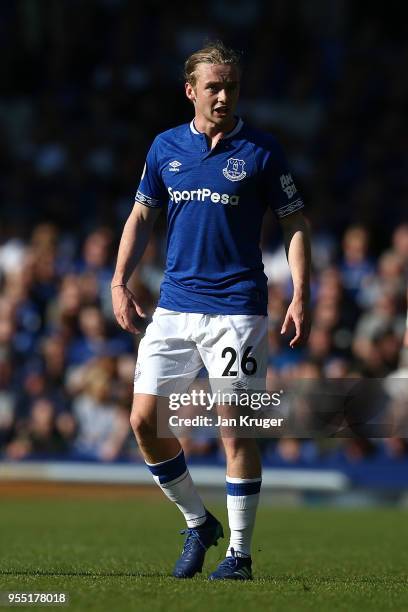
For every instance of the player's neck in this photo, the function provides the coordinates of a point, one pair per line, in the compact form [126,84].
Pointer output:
[214,132]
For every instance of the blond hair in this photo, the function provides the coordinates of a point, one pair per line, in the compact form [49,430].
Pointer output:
[215,53]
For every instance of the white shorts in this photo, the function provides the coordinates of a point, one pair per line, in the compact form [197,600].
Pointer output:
[177,345]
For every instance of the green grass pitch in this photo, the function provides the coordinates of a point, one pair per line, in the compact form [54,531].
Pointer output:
[116,554]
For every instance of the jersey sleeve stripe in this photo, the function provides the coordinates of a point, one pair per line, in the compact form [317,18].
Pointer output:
[288,209]
[147,200]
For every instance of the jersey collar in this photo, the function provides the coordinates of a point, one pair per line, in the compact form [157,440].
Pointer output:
[230,134]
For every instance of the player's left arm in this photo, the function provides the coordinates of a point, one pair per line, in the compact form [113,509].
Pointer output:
[297,245]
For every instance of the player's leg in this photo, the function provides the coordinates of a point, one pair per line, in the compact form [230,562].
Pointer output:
[167,363]
[165,459]
[245,337]
[243,485]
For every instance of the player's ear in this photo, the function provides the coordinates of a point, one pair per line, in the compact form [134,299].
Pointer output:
[190,93]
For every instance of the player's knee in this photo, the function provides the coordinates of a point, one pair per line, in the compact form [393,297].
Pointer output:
[234,447]
[143,427]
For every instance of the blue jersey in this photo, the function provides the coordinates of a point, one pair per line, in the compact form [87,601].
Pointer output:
[216,201]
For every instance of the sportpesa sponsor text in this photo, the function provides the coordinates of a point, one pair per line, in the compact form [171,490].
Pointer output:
[201,195]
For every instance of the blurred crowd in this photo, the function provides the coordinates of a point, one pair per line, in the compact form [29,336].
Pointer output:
[85,88]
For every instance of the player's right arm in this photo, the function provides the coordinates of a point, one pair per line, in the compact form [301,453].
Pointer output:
[133,242]
[150,197]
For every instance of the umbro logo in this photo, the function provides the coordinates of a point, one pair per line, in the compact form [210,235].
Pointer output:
[240,385]
[174,166]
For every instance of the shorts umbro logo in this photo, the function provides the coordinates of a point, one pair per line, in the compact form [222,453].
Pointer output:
[239,385]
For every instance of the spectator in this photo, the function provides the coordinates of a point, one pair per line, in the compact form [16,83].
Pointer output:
[40,435]
[102,425]
[93,340]
[357,269]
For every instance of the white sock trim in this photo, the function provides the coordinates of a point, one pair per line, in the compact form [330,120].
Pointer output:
[171,483]
[242,480]
[165,461]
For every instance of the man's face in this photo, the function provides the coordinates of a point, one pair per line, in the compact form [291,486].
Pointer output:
[215,94]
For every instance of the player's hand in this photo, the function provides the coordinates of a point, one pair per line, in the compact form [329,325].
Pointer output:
[125,307]
[298,313]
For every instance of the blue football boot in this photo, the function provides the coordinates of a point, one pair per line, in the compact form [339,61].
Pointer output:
[198,541]
[234,567]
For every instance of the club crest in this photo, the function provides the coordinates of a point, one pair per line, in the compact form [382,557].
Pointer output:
[234,170]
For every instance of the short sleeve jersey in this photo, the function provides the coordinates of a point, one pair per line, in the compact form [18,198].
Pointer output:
[216,199]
